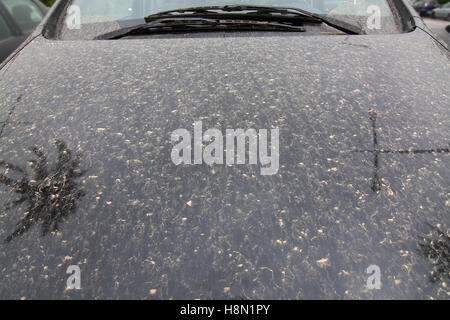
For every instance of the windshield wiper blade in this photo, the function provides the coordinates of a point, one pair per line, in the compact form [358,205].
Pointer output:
[212,18]
[252,11]
[258,13]
[174,25]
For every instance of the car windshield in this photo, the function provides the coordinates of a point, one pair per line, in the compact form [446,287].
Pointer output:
[86,19]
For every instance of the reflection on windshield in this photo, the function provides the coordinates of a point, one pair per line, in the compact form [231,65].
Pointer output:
[52,193]
[111,15]
[119,9]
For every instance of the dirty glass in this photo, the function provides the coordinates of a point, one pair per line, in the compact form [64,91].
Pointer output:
[4,29]
[25,13]
[97,17]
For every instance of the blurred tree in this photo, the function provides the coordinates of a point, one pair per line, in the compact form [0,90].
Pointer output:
[48,3]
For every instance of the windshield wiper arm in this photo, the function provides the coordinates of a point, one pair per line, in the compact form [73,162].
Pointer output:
[258,13]
[177,24]
[211,18]
[252,11]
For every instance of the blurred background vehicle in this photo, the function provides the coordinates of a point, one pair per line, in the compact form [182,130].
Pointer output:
[424,8]
[18,18]
[442,13]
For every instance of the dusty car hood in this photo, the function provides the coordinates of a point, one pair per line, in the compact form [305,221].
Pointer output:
[140,227]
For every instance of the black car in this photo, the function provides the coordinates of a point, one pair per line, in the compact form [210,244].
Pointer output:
[424,8]
[238,150]
[18,18]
